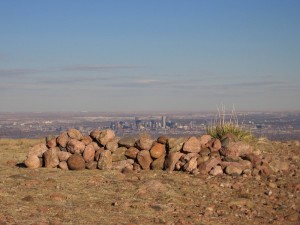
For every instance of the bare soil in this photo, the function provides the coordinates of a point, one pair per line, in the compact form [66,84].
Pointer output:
[54,196]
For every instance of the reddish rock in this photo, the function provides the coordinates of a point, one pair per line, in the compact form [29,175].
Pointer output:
[63,165]
[206,166]
[63,139]
[192,145]
[63,156]
[86,140]
[76,162]
[279,165]
[132,152]
[175,144]
[235,149]
[204,139]
[144,159]
[191,165]
[92,165]
[112,145]
[171,160]
[75,146]
[95,145]
[233,170]
[157,150]
[105,160]
[98,153]
[119,154]
[51,141]
[254,159]
[95,134]
[216,145]
[51,158]
[89,153]
[127,142]
[106,136]
[37,150]
[75,134]
[216,171]
[120,165]
[162,140]
[189,156]
[158,164]
[33,162]
[145,142]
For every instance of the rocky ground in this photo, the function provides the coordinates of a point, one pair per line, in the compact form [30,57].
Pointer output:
[56,196]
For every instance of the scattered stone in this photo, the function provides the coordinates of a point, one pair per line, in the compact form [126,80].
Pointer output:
[192,145]
[233,170]
[63,139]
[131,152]
[33,162]
[217,170]
[171,160]
[75,146]
[75,134]
[127,142]
[76,162]
[144,159]
[157,150]
[51,158]
[105,160]
[279,165]
[106,136]
[89,153]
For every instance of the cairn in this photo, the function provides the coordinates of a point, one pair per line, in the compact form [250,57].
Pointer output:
[205,155]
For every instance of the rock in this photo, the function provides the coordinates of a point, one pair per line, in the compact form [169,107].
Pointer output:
[229,137]
[86,140]
[75,134]
[235,149]
[215,155]
[171,160]
[76,162]
[158,164]
[132,152]
[215,145]
[293,217]
[217,170]
[162,140]
[63,139]
[33,162]
[189,156]
[112,145]
[192,145]
[233,170]
[51,141]
[106,136]
[119,165]
[105,160]
[191,165]
[119,154]
[157,150]
[144,159]
[127,142]
[75,146]
[206,166]
[37,150]
[202,159]
[89,153]
[254,159]
[63,165]
[175,144]
[95,134]
[91,165]
[204,152]
[51,158]
[279,165]
[63,156]
[204,139]
[95,145]
[98,153]
[144,143]
[136,167]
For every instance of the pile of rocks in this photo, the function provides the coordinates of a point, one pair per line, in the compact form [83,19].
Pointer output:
[103,150]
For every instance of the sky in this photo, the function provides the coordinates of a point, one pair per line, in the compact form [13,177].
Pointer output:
[155,55]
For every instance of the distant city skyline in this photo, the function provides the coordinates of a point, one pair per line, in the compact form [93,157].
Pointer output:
[154,55]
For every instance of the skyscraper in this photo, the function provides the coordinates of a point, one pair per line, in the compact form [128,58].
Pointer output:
[163,121]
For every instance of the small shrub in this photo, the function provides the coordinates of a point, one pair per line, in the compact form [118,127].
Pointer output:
[222,125]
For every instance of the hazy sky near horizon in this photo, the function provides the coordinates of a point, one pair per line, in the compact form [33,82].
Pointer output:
[133,55]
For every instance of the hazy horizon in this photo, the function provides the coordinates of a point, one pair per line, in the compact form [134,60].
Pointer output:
[139,56]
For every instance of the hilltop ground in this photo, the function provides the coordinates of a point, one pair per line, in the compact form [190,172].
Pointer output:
[53,196]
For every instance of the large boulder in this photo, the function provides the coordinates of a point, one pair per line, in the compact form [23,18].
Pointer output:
[192,145]
[237,149]
[171,160]
[63,139]
[33,162]
[157,150]
[127,142]
[75,146]
[158,164]
[51,158]
[105,160]
[75,134]
[63,156]
[119,154]
[89,153]
[175,144]
[51,141]
[145,142]
[144,159]
[132,152]
[76,162]
[37,150]
[106,136]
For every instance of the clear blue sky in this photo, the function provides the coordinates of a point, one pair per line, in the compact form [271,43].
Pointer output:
[135,55]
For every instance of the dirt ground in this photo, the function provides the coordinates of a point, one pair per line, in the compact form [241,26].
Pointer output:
[54,196]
